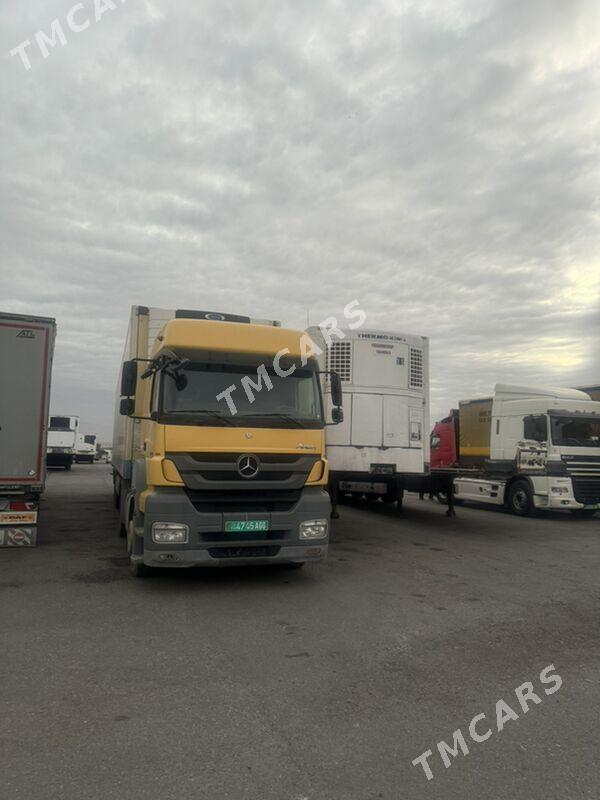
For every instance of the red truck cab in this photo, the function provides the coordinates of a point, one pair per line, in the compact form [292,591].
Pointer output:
[444,442]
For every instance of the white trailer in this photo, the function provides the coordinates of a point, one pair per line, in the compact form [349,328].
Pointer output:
[26,350]
[382,446]
[62,440]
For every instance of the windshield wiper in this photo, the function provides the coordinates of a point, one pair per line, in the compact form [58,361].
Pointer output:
[207,413]
[275,415]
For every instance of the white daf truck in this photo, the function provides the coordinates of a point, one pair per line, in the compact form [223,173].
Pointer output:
[527,448]
[381,449]
[26,349]
[62,441]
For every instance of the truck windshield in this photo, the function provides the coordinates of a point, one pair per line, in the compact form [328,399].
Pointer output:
[60,424]
[575,431]
[89,439]
[282,402]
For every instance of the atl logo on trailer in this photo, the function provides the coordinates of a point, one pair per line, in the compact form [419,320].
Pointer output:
[26,334]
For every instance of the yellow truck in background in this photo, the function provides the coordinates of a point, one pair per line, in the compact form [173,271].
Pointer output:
[219,442]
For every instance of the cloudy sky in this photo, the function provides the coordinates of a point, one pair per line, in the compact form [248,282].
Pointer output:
[436,159]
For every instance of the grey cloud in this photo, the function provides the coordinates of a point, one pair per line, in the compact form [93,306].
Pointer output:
[438,161]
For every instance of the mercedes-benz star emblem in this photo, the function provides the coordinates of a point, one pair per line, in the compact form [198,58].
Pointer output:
[248,466]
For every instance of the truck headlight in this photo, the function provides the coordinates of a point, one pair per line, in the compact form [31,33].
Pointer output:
[314,529]
[560,490]
[170,533]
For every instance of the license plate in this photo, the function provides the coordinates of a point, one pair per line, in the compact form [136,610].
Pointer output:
[247,526]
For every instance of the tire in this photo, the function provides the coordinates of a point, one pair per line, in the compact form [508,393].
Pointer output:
[583,513]
[519,500]
[442,497]
[68,467]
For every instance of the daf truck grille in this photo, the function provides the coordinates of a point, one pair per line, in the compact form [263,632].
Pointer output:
[587,490]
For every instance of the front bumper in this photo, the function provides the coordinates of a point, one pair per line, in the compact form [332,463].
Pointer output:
[547,496]
[210,546]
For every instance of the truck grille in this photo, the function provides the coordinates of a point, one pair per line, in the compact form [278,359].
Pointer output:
[243,502]
[264,551]
[587,490]
[202,471]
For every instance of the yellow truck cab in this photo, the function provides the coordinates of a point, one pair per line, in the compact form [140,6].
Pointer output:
[219,442]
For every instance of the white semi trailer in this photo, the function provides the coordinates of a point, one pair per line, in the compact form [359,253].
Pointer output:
[26,350]
[381,448]
[62,441]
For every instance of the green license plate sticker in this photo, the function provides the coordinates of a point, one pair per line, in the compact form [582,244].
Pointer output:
[247,526]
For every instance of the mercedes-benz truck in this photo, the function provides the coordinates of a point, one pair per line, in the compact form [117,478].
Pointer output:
[26,349]
[219,442]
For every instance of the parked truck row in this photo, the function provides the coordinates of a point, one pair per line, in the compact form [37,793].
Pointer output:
[234,437]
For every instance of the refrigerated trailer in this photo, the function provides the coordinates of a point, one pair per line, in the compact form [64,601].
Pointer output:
[381,449]
[26,350]
[62,440]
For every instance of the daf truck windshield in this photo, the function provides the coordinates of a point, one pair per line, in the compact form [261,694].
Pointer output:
[575,431]
[282,402]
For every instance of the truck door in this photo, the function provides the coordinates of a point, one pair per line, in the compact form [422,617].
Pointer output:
[23,356]
[367,423]
[395,421]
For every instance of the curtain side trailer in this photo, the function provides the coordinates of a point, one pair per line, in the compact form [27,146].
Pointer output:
[26,351]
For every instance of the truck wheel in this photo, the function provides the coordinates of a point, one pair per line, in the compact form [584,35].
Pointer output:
[520,501]
[68,466]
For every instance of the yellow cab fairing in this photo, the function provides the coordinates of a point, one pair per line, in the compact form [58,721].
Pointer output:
[219,341]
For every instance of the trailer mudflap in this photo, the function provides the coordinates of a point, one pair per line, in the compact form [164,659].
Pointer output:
[18,537]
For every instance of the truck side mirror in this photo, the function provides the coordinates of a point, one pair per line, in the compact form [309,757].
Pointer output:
[127,406]
[128,379]
[336,389]
[337,415]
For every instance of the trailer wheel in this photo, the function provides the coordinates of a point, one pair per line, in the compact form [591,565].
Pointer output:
[68,466]
[520,501]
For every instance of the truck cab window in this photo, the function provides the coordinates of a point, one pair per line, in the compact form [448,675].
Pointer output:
[536,428]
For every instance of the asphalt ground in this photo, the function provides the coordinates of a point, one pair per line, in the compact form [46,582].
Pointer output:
[320,684]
